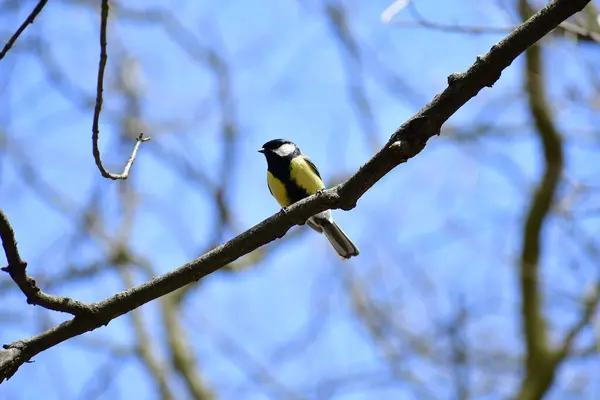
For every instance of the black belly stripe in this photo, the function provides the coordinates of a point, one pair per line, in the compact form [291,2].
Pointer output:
[281,170]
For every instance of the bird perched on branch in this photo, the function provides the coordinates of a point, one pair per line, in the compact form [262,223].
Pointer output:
[291,176]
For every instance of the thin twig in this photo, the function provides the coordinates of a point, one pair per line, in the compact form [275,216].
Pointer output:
[408,140]
[98,108]
[591,302]
[422,22]
[17,270]
[470,30]
[29,20]
[566,26]
[354,65]
[580,32]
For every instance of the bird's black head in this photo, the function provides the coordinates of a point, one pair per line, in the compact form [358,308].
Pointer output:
[279,149]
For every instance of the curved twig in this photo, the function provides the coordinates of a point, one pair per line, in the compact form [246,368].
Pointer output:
[98,107]
[17,270]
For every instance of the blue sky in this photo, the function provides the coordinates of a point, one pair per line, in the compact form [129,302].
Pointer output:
[442,230]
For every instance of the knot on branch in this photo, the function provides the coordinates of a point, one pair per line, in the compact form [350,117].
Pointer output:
[15,268]
[141,138]
[491,77]
[87,311]
[455,77]
[417,129]
[11,358]
[19,344]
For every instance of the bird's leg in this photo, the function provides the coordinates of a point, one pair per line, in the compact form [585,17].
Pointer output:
[283,211]
[320,192]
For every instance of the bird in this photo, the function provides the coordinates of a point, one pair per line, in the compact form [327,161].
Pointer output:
[291,177]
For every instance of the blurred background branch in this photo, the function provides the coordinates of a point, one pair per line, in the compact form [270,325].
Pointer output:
[540,369]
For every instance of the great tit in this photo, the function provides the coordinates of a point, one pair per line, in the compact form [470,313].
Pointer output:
[291,176]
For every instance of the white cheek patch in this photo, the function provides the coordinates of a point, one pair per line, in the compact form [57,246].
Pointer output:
[285,150]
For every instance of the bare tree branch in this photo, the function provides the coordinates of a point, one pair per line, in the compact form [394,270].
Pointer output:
[145,348]
[405,143]
[17,270]
[541,362]
[452,28]
[350,49]
[590,307]
[534,324]
[179,348]
[580,32]
[421,21]
[29,20]
[251,367]
[99,89]
[585,27]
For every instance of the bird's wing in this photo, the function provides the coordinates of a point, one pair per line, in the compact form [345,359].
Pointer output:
[312,166]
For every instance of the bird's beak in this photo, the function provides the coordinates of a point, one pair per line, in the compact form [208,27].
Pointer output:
[261,151]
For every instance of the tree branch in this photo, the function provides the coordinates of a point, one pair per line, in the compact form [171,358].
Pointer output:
[29,20]
[404,144]
[98,108]
[17,270]
[591,303]
[580,33]
[566,27]
[539,363]
[182,360]
[145,348]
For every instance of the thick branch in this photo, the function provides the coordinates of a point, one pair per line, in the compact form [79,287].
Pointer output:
[29,20]
[17,270]
[405,143]
[98,108]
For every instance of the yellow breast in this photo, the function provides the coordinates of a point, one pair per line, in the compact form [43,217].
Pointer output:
[304,176]
[278,190]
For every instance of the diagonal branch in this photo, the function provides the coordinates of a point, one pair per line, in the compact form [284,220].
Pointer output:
[98,108]
[405,143]
[580,32]
[29,20]
[17,270]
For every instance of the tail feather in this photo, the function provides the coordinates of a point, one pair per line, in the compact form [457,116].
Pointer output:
[339,240]
[313,224]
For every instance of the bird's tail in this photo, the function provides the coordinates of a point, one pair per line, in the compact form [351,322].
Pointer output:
[338,239]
